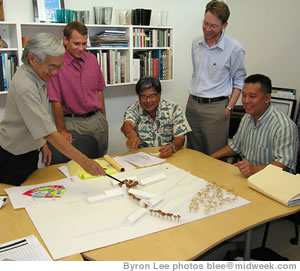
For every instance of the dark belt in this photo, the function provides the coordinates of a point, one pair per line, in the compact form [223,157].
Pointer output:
[87,115]
[208,100]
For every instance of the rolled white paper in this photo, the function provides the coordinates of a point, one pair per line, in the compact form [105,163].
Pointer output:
[95,199]
[153,179]
[136,215]
[142,194]
[117,192]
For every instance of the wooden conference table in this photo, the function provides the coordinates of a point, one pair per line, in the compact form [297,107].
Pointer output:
[185,242]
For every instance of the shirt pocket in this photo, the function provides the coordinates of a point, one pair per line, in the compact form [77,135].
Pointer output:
[217,70]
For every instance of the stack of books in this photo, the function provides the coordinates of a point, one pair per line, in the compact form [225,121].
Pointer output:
[110,38]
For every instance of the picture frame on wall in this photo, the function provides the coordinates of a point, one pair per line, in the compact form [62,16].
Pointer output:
[44,10]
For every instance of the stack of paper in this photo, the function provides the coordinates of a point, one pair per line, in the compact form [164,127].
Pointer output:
[277,184]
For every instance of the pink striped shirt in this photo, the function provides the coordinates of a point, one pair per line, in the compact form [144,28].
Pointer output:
[77,89]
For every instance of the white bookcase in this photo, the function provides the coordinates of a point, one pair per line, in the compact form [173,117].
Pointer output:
[135,52]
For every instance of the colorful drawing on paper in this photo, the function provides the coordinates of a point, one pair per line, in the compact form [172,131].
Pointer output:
[51,191]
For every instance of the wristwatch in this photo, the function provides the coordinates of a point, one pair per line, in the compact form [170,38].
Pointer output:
[173,147]
[229,108]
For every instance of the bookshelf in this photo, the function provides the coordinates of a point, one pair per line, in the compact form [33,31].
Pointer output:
[152,52]
[151,48]
[9,55]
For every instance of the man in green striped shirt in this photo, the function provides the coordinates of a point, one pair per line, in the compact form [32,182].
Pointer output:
[265,135]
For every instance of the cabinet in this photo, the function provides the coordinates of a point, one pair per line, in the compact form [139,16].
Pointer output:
[148,50]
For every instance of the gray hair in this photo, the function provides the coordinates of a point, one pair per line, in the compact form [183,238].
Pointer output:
[42,45]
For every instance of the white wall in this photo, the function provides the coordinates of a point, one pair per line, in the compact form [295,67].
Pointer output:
[268,29]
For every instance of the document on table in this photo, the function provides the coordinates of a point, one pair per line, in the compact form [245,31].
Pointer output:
[24,249]
[142,159]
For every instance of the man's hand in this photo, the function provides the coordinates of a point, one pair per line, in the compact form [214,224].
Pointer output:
[227,113]
[92,167]
[245,168]
[165,151]
[46,155]
[133,141]
[66,135]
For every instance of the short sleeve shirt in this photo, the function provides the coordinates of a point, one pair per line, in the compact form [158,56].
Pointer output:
[168,123]
[27,118]
[273,139]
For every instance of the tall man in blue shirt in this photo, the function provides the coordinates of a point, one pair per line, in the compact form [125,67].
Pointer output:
[218,76]
[265,135]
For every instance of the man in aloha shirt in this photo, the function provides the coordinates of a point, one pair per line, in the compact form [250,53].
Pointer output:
[154,122]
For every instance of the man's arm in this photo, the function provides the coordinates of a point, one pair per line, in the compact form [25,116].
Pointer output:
[133,140]
[224,152]
[58,115]
[65,147]
[233,99]
[167,150]
[101,99]
[247,169]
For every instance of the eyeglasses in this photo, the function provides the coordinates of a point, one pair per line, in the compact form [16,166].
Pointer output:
[212,26]
[53,67]
[145,97]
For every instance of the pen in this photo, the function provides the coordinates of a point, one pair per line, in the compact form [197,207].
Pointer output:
[114,178]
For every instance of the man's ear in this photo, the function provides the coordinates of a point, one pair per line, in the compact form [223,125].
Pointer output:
[224,26]
[65,40]
[268,97]
[31,59]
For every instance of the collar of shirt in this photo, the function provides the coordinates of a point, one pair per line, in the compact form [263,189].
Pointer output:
[264,118]
[40,83]
[220,44]
[69,59]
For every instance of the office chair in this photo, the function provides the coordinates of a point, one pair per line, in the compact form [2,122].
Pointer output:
[86,144]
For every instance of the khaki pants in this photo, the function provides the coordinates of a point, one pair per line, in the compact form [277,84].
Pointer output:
[209,125]
[95,126]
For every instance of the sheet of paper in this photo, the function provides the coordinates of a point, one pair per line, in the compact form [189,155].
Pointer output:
[124,163]
[23,196]
[103,224]
[64,170]
[142,159]
[25,249]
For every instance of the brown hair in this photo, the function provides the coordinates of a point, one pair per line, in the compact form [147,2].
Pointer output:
[80,27]
[219,9]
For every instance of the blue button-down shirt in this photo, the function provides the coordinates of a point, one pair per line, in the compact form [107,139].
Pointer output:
[274,138]
[217,69]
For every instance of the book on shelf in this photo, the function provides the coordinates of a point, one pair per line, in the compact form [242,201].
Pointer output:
[1,76]
[156,63]
[152,37]
[277,184]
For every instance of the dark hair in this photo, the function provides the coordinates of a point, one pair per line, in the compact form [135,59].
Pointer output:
[264,81]
[146,83]
[219,9]
[80,27]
